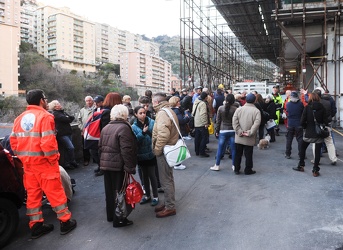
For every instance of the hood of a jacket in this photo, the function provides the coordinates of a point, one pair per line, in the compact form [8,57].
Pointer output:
[161,105]
[326,97]
[316,105]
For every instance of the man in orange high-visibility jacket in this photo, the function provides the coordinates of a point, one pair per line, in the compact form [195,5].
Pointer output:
[33,141]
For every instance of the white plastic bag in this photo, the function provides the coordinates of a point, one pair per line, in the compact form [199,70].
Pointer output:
[270,124]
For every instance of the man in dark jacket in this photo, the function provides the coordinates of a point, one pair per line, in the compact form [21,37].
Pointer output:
[330,112]
[187,103]
[294,110]
[217,102]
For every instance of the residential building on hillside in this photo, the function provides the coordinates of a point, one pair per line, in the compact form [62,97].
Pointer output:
[68,40]
[110,42]
[9,47]
[28,23]
[143,71]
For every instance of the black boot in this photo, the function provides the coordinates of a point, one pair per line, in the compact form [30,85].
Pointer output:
[67,226]
[40,229]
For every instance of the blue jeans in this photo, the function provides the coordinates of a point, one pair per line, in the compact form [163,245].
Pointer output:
[69,148]
[224,139]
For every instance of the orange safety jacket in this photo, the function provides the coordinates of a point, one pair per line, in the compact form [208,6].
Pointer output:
[33,137]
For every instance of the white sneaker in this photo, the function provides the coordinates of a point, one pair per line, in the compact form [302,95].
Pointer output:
[180,167]
[233,168]
[187,137]
[215,168]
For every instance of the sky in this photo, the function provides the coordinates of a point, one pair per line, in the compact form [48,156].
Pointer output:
[145,17]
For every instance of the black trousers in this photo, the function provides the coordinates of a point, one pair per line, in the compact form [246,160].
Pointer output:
[291,132]
[113,181]
[200,140]
[317,150]
[86,152]
[248,153]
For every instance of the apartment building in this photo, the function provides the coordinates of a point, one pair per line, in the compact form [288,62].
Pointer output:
[9,46]
[68,40]
[111,41]
[143,71]
[28,22]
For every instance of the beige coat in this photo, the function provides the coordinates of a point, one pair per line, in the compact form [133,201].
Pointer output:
[200,113]
[164,132]
[246,118]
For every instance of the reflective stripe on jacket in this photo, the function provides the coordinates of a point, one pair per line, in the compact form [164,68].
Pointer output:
[33,137]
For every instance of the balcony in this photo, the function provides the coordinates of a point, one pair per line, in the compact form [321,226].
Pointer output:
[52,52]
[80,45]
[78,29]
[78,34]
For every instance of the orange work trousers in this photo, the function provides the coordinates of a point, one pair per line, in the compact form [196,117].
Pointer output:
[47,179]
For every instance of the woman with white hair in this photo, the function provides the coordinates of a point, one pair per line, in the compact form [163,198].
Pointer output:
[64,133]
[117,146]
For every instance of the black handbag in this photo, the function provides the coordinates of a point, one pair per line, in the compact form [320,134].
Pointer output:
[122,209]
[321,130]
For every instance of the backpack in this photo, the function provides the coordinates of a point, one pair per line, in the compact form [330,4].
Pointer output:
[92,130]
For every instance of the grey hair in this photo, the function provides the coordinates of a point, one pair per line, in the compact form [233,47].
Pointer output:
[270,97]
[53,104]
[88,97]
[119,112]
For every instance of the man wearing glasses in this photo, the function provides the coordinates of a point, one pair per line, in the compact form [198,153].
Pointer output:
[33,141]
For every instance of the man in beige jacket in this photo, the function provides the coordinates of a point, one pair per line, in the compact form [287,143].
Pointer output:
[246,122]
[164,133]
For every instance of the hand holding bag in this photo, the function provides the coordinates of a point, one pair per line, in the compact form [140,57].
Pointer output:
[270,124]
[134,191]
[211,128]
[121,210]
[175,154]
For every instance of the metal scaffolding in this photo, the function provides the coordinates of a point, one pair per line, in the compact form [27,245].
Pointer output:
[307,25]
[211,54]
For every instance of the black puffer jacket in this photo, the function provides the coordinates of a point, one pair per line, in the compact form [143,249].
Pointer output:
[271,109]
[307,120]
[62,122]
[118,147]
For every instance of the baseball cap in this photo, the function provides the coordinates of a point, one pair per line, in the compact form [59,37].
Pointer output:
[98,98]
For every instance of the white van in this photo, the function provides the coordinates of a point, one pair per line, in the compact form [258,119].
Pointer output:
[263,88]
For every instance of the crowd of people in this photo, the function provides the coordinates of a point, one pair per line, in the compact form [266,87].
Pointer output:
[133,137]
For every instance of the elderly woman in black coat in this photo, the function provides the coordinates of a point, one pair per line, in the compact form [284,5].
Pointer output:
[64,133]
[117,146]
[316,110]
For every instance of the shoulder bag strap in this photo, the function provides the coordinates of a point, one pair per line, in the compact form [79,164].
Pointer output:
[314,117]
[172,118]
[195,110]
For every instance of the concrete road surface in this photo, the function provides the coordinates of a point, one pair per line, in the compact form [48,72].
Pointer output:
[277,208]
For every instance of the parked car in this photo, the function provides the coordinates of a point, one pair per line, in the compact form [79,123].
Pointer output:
[12,194]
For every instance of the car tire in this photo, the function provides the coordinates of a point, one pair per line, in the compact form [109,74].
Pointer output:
[9,220]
